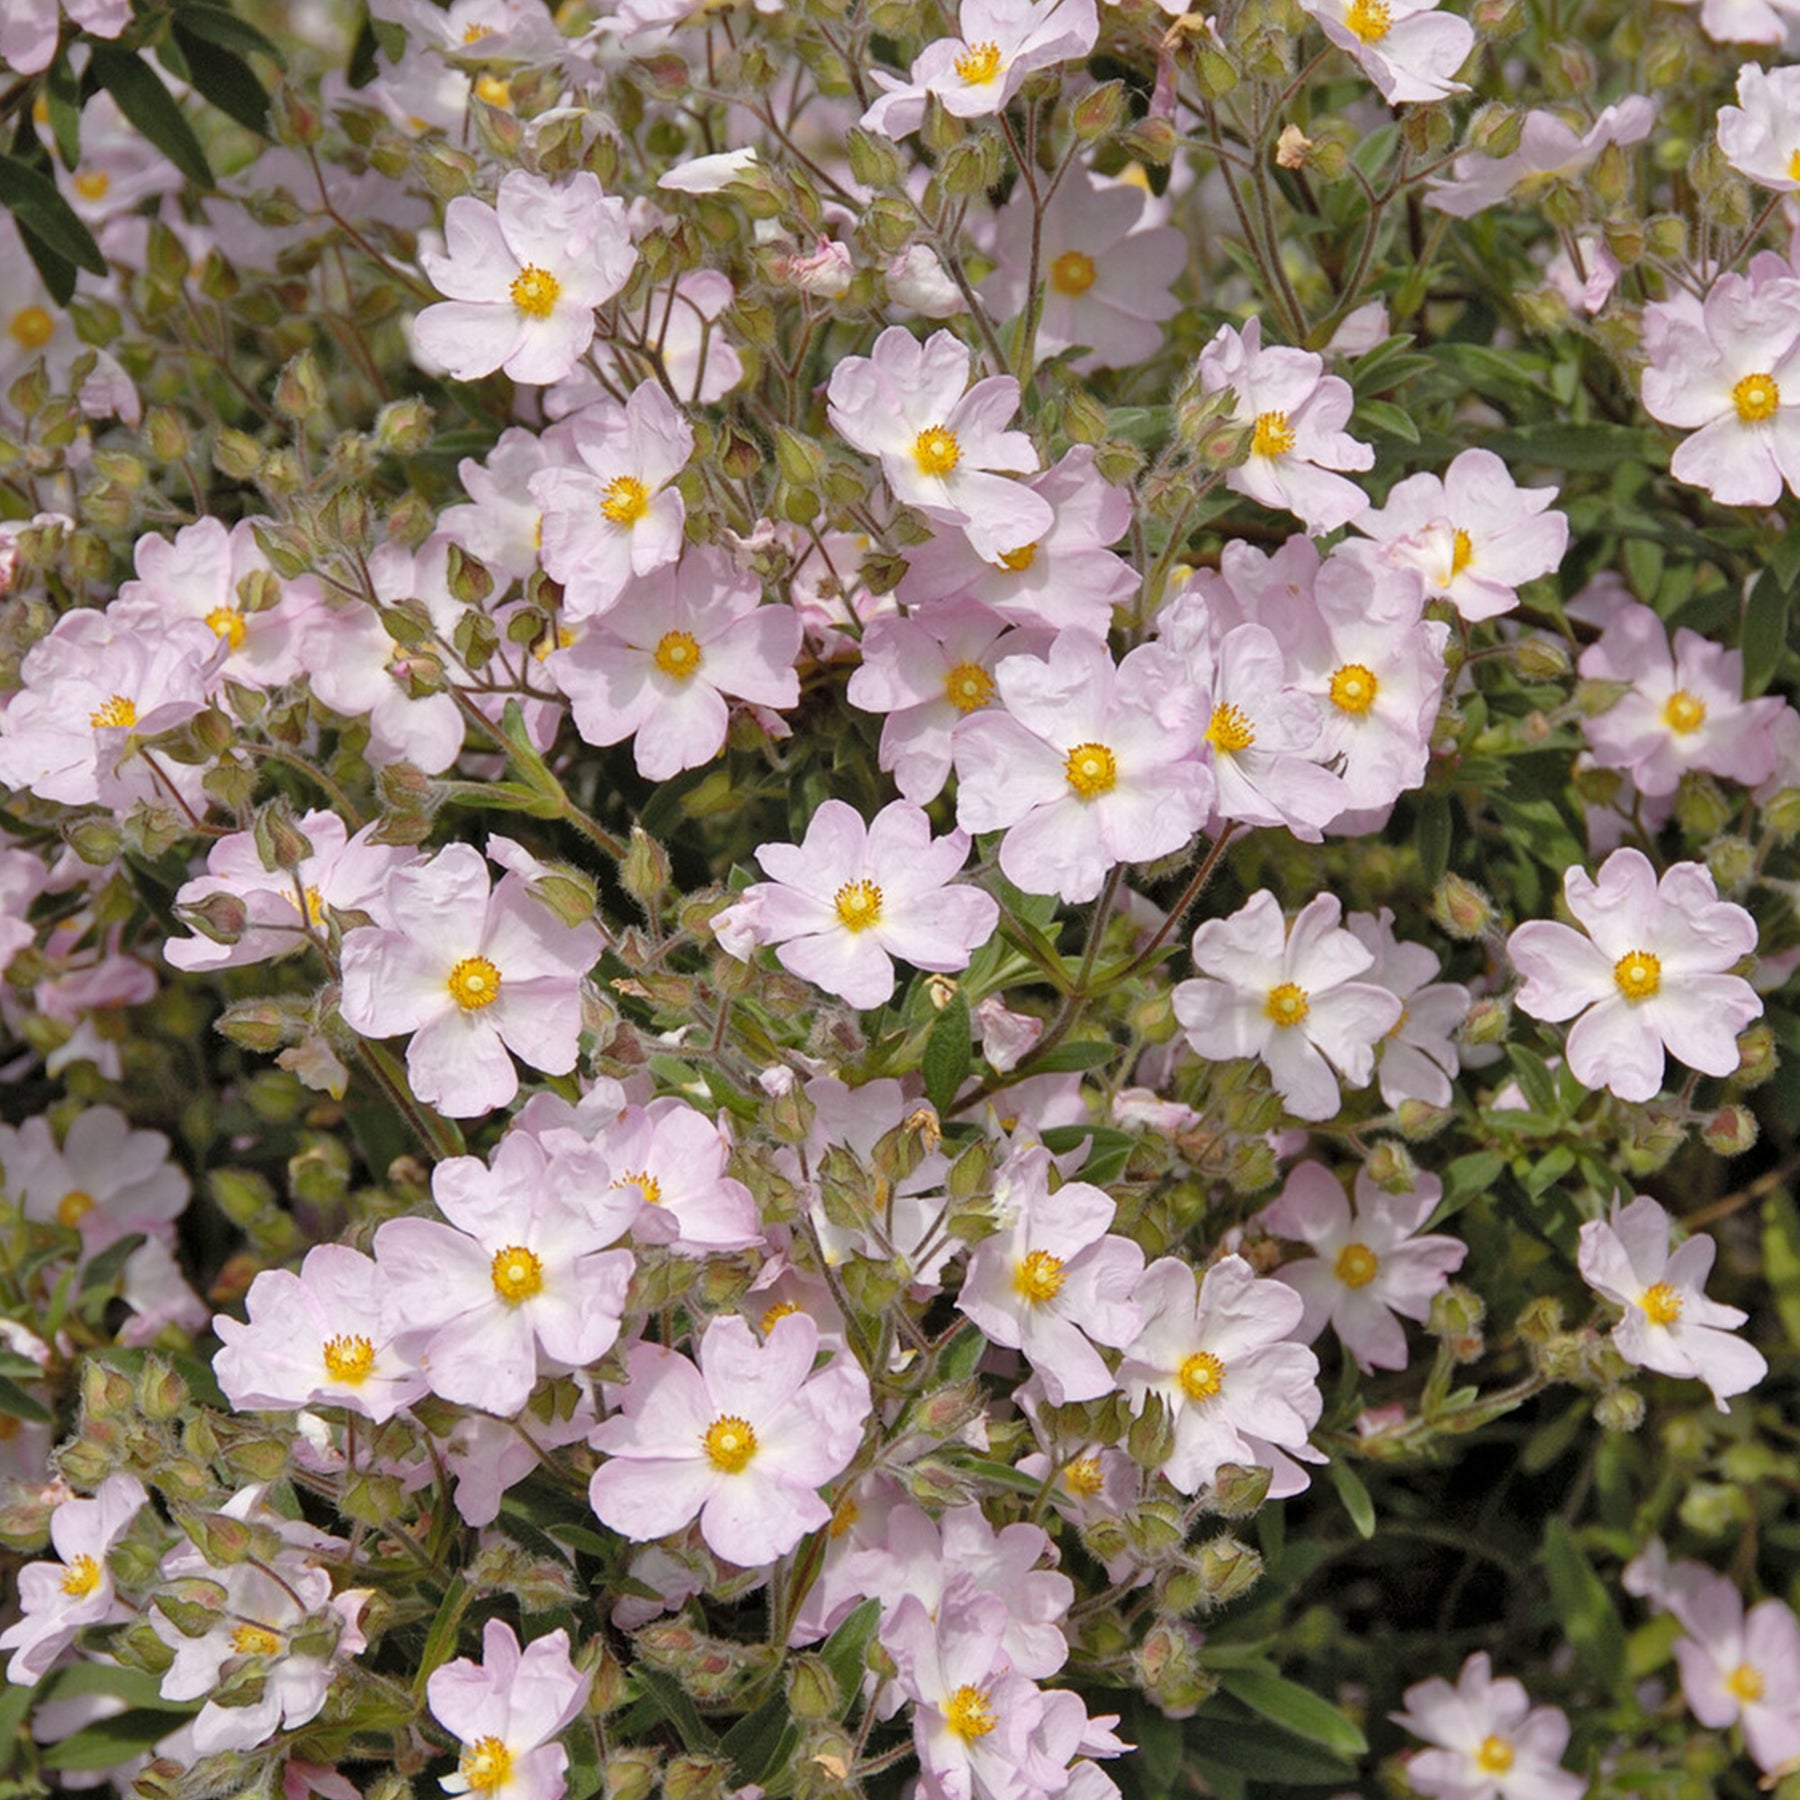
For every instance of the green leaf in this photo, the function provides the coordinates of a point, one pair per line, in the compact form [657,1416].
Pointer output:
[1466,1177]
[98,1275]
[847,1648]
[19,1368]
[1433,836]
[1354,1495]
[133,1686]
[62,101]
[222,77]
[440,1641]
[1385,416]
[1251,1750]
[15,1403]
[152,109]
[761,1741]
[1090,1053]
[1781,1259]
[1535,1079]
[947,1054]
[43,213]
[110,1742]
[1559,446]
[673,1703]
[1765,629]
[219,25]
[1295,1708]
[1585,1608]
[1546,1173]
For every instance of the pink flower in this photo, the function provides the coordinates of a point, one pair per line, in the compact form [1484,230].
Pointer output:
[357,670]
[1408,49]
[1369,1265]
[1418,1058]
[1650,974]
[524,277]
[1295,414]
[617,514]
[745,1441]
[660,663]
[57,1599]
[1746,21]
[1052,1281]
[501,523]
[471,973]
[30,28]
[849,899]
[1286,994]
[105,1180]
[939,445]
[1669,1324]
[315,1338]
[1216,1349]
[520,1280]
[507,1710]
[674,1156]
[1548,148]
[1488,1741]
[1760,134]
[1087,766]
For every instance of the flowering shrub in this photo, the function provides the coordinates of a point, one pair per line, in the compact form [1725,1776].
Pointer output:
[899,899]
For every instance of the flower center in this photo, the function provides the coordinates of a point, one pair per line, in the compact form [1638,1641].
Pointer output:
[979,63]
[848,1512]
[858,905]
[1287,1004]
[1756,397]
[474,983]
[118,711]
[968,1713]
[1092,770]
[782,1309]
[32,327]
[1638,974]
[1462,552]
[473,34]
[1684,713]
[534,292]
[1019,560]
[1794,166]
[645,1183]
[1201,1376]
[1230,730]
[92,184]
[1072,273]
[936,450]
[518,1274]
[485,1764]
[227,622]
[73,1207]
[1273,436]
[349,1359]
[81,1578]
[1356,1265]
[1353,688]
[255,1640]
[968,687]
[1661,1304]
[624,501]
[1495,1755]
[494,91]
[1745,1682]
[730,1444]
[1039,1277]
[1084,1476]
[677,654]
[1369,19]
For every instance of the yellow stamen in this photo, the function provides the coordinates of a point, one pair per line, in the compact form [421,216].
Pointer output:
[968,687]
[677,655]
[1084,1476]
[32,327]
[1756,397]
[1495,1755]
[1661,1304]
[1356,1265]
[91,184]
[1353,688]
[1201,1376]
[227,622]
[1462,552]
[1638,974]
[624,500]
[1369,19]
[1793,170]
[969,1713]
[1092,770]
[1039,1277]
[486,1763]
[73,1207]
[349,1359]
[1273,436]
[782,1309]
[1287,1004]
[1073,273]
[118,711]
[82,1578]
[254,1640]
[535,291]
[518,1274]
[1230,730]
[645,1183]
[1019,560]
[730,1444]
[979,63]
[473,34]
[936,450]
[1745,1683]
[474,983]
[858,905]
[846,1515]
[494,91]
[1684,713]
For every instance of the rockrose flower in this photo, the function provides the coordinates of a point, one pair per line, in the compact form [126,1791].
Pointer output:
[1488,1742]
[1407,48]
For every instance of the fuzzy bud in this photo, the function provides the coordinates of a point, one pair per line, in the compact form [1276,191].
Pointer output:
[1542,658]
[1420,1121]
[1462,910]
[1166,1666]
[1619,1409]
[1229,1569]
[1730,1131]
[1758,1057]
[1391,1167]
[1239,1491]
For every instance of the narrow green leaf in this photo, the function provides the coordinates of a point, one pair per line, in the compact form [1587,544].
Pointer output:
[1765,633]
[98,1275]
[15,1403]
[947,1054]
[673,1702]
[222,77]
[1354,1495]
[1254,1750]
[1585,1608]
[62,100]
[760,1741]
[1294,1708]
[847,1648]
[1781,1259]
[1065,1058]
[219,25]
[440,1640]
[152,109]
[1433,836]
[109,1742]
[1385,416]
[42,212]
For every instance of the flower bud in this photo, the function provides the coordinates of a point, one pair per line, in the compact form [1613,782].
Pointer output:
[1462,910]
[300,388]
[696,1778]
[1229,1569]
[1619,1409]
[221,917]
[812,1689]
[1758,1057]
[630,1774]
[1151,1438]
[1489,1021]
[1541,1320]
[95,839]
[1391,1167]
[1239,1491]
[1098,111]
[1730,1131]
[1456,1312]
[1652,1135]
[1701,807]
[1542,658]
[161,1393]
[1150,141]
[1781,813]
[1420,1121]
[1166,1665]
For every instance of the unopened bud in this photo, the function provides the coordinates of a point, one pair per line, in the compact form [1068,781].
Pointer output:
[1229,1569]
[1758,1057]
[1420,1121]
[300,388]
[1151,1438]
[1619,1409]
[1150,141]
[1238,1490]
[1391,1167]
[812,1689]
[161,1393]
[1166,1665]
[1701,807]
[1456,1312]
[1541,1320]
[221,917]
[645,868]
[1098,111]
[630,1774]
[1730,1131]
[1462,910]
[1542,658]
[1488,1022]
[260,1025]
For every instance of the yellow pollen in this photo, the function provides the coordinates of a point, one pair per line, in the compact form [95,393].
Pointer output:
[1369,19]
[968,687]
[1072,273]
[858,905]
[936,450]
[1638,974]
[979,63]
[1039,1277]
[645,1183]
[1084,1476]
[677,655]
[551,641]
[254,1640]
[1684,713]
[1745,1683]
[1353,688]
[1092,770]
[474,983]
[1273,436]
[534,292]
[473,34]
[487,1762]
[1019,560]
[82,1578]
[1462,552]
[969,1714]
[91,184]
[848,1512]
[1287,1004]
[1201,1376]
[494,91]
[73,1207]
[624,501]
[518,1274]
[118,711]
[349,1359]
[227,622]
[1794,166]
[782,1309]
[32,327]
[1230,729]
[1495,1755]
[730,1444]
[1356,1265]
[1756,397]
[1661,1304]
